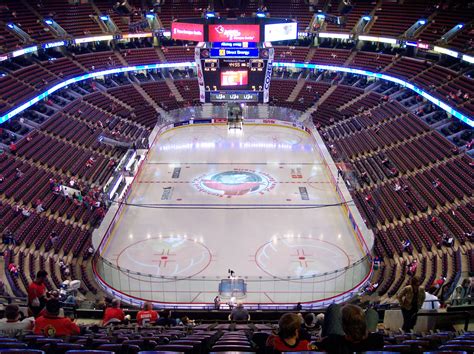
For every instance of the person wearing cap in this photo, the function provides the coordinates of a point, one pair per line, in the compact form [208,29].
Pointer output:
[113,314]
[11,326]
[52,325]
[147,315]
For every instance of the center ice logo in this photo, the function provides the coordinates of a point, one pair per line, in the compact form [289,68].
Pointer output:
[234,183]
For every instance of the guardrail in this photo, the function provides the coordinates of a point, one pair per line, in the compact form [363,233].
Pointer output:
[315,291]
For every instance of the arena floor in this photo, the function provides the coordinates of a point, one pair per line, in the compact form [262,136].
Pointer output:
[208,200]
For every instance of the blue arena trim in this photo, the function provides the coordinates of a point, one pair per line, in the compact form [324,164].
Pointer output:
[469,121]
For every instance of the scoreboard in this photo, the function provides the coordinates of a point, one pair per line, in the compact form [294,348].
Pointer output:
[236,74]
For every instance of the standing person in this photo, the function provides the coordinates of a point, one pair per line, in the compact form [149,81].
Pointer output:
[411,299]
[239,313]
[37,293]
[217,302]
[147,315]
[113,314]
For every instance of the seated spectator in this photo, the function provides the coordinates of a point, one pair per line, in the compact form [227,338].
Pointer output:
[26,213]
[13,269]
[356,337]
[466,289]
[147,315]
[439,282]
[239,313]
[113,314]
[431,300]
[52,325]
[11,326]
[311,326]
[166,320]
[288,337]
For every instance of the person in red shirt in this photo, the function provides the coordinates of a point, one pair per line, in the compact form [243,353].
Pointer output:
[287,339]
[52,325]
[147,315]
[37,293]
[13,148]
[113,314]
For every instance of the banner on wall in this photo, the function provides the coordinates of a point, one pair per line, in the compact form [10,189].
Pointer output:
[187,31]
[200,77]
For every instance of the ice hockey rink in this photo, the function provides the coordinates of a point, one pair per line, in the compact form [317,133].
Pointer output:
[258,201]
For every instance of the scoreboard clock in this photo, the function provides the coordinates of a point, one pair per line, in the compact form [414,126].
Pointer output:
[235,74]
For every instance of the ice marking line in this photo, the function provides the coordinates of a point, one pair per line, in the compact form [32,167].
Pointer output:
[236,163]
[277,182]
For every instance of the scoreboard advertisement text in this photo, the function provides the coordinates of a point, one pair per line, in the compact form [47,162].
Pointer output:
[187,31]
[234,33]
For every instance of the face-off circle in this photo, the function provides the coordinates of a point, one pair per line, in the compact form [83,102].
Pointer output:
[234,183]
[170,257]
[298,257]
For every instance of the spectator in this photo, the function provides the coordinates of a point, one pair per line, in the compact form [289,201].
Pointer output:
[287,339]
[37,293]
[239,313]
[431,300]
[217,302]
[13,269]
[11,326]
[355,337]
[52,325]
[113,314]
[13,148]
[166,319]
[147,315]
[25,212]
[466,289]
[456,297]
[411,299]
[18,174]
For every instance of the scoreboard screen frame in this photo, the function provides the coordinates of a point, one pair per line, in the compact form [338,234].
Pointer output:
[213,69]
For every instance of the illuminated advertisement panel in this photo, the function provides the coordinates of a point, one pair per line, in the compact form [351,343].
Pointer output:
[234,78]
[187,31]
[234,33]
[281,32]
